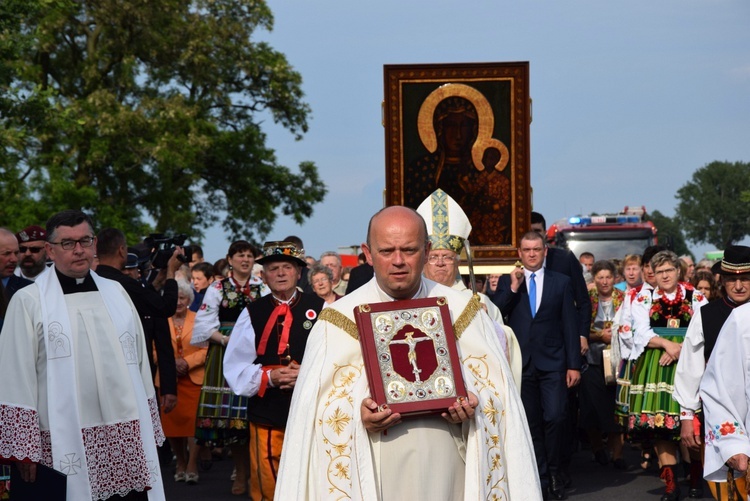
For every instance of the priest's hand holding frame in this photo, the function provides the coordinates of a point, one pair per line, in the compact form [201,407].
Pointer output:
[462,410]
[376,420]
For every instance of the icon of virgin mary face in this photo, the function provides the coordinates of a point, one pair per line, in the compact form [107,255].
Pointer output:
[456,125]
[458,133]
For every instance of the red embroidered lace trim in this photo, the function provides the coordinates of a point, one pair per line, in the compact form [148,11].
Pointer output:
[153,406]
[114,453]
[19,433]
[46,449]
[116,460]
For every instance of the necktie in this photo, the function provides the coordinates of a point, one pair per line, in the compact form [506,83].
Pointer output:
[532,294]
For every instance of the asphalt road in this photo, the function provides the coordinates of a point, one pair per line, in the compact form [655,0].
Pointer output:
[591,482]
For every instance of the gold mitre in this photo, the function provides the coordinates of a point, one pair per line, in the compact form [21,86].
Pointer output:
[447,224]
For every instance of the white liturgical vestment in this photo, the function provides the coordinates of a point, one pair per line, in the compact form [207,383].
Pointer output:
[328,454]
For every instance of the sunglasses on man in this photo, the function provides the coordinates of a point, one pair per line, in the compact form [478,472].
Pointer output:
[34,250]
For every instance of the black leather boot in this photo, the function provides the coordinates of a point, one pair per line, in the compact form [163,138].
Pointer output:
[696,480]
[672,491]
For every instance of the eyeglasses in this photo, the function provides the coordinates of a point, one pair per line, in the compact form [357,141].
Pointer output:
[665,272]
[71,244]
[730,280]
[320,281]
[34,250]
[445,259]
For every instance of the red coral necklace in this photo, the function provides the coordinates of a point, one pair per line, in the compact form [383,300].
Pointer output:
[671,302]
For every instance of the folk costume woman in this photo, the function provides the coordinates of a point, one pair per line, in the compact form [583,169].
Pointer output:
[222,415]
[660,320]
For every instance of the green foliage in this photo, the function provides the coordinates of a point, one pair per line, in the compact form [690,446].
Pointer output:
[710,208]
[669,232]
[139,111]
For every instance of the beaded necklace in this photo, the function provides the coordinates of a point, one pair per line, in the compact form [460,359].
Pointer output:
[666,307]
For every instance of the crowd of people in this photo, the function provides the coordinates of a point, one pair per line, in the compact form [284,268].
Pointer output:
[258,353]
[655,319]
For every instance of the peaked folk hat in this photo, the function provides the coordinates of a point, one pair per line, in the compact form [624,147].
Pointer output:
[736,261]
[282,251]
[447,224]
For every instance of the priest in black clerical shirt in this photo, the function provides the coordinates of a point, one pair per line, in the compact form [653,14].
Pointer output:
[81,401]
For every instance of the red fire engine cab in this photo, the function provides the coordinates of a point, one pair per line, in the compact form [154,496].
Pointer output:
[606,236]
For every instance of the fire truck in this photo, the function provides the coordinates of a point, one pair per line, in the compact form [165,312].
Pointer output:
[606,236]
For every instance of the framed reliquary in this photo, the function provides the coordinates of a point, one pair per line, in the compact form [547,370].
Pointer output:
[410,355]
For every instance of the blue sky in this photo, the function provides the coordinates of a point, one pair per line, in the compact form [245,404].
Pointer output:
[629,98]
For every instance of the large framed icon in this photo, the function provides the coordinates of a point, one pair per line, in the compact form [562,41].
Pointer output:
[410,355]
[463,128]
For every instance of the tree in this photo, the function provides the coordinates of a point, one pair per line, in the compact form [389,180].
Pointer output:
[710,209]
[669,232]
[139,111]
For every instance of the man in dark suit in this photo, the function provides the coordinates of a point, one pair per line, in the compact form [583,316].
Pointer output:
[10,283]
[153,308]
[359,276]
[539,307]
[8,262]
[564,261]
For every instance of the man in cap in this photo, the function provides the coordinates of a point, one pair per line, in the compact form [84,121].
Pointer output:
[698,349]
[131,268]
[263,358]
[345,446]
[82,401]
[448,228]
[33,256]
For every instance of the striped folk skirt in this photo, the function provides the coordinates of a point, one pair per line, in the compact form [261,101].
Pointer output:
[222,415]
[652,412]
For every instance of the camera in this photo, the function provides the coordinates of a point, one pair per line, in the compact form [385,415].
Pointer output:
[163,247]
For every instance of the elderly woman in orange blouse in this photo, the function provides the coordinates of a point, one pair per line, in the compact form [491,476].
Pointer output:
[179,425]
